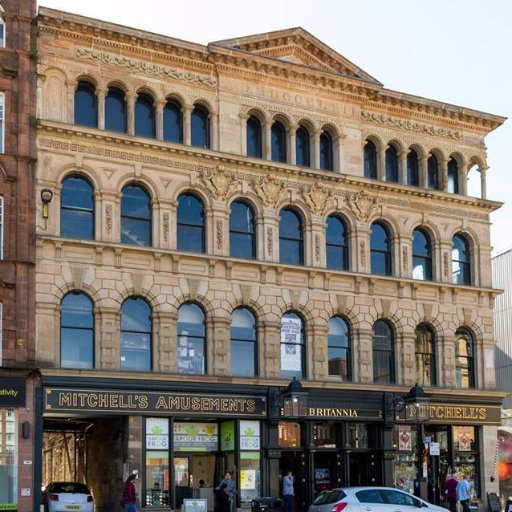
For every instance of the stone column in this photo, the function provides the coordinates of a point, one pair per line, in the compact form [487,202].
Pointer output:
[101,94]
[106,220]
[443,169]
[292,144]
[363,345]
[406,359]
[315,153]
[405,266]
[108,352]
[423,165]
[167,223]
[483,182]
[463,179]
[187,130]
[271,350]
[485,359]
[213,119]
[159,104]
[243,132]
[402,177]
[267,138]
[39,94]
[164,341]
[130,105]
[71,88]
[220,362]
[220,222]
[317,258]
[337,153]
[446,361]
[360,248]
[381,163]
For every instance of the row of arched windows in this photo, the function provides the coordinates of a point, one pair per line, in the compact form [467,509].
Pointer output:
[77,221]
[136,348]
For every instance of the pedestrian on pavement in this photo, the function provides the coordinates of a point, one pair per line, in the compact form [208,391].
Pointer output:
[222,503]
[230,487]
[129,499]
[450,493]
[462,491]
[288,492]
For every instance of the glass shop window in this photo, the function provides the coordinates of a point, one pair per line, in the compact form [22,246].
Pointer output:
[358,435]
[250,478]
[289,434]
[8,457]
[157,462]
[324,435]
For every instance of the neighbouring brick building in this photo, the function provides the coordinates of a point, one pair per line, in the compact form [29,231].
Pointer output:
[252,251]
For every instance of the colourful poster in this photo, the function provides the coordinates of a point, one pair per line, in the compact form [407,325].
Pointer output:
[227,436]
[404,438]
[249,435]
[464,439]
[157,433]
[195,437]
[248,479]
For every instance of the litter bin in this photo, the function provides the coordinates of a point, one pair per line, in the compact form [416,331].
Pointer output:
[263,504]
[473,506]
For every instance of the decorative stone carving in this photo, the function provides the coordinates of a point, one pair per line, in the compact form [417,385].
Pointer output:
[270,241]
[108,218]
[218,228]
[317,197]
[412,126]
[362,253]
[269,189]
[165,224]
[445,264]
[404,258]
[148,68]
[219,181]
[362,204]
[317,248]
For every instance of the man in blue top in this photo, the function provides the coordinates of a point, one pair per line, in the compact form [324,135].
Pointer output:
[462,491]
[288,492]
[230,488]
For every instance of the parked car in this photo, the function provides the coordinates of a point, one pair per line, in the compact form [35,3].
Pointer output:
[67,496]
[370,499]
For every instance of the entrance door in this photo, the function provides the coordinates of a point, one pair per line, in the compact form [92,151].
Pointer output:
[292,461]
[325,474]
[361,469]
[182,485]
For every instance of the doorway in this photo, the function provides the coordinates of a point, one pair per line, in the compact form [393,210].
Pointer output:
[361,469]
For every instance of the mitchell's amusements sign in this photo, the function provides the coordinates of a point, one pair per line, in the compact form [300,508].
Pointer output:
[164,403]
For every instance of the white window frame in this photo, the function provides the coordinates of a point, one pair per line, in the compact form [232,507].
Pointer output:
[2,22]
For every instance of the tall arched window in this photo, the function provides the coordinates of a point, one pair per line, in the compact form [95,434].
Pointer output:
[380,250]
[292,346]
[76,331]
[115,111]
[291,243]
[339,349]
[425,356]
[326,152]
[278,142]
[421,255]
[433,172]
[464,359]
[302,154]
[413,169]
[254,137]
[383,353]
[135,216]
[136,335]
[145,116]
[242,231]
[370,160]
[200,127]
[173,122]
[77,209]
[191,330]
[453,176]
[2,28]
[336,244]
[461,260]
[190,235]
[392,164]
[243,343]
[86,105]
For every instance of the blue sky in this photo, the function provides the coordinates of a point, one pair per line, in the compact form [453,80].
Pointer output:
[456,51]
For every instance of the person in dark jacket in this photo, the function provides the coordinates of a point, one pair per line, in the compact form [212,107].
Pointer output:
[222,503]
[129,499]
[449,490]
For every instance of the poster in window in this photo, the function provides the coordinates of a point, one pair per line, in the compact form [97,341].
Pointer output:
[157,433]
[291,330]
[404,438]
[464,439]
[322,476]
[248,479]
[196,437]
[249,435]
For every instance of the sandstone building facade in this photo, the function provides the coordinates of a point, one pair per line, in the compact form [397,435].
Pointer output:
[220,220]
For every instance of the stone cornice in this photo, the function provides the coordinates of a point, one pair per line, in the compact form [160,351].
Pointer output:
[153,152]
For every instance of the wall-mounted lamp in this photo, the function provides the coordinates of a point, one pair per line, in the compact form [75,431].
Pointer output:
[46,198]
[25,430]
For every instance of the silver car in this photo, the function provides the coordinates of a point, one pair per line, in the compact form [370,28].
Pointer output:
[370,499]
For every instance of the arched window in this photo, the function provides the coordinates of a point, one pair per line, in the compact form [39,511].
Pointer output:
[425,356]
[190,224]
[2,28]
[173,122]
[370,160]
[278,142]
[383,353]
[292,346]
[380,250]
[291,244]
[243,343]
[145,116]
[76,331]
[86,105]
[392,164]
[200,127]
[461,260]
[254,137]
[191,353]
[413,169]
[453,176]
[302,156]
[326,152]
[464,359]
[433,172]
[242,231]
[135,216]
[421,255]
[336,244]
[77,209]
[136,335]
[115,111]
[339,349]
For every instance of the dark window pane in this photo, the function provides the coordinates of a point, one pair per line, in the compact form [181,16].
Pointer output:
[380,252]
[461,260]
[391,165]
[326,152]
[302,147]
[242,238]
[135,216]
[339,358]
[86,105]
[144,116]
[136,335]
[200,128]
[191,350]
[278,142]
[453,176]
[421,256]
[370,160]
[383,353]
[291,249]
[243,343]
[254,137]
[433,173]
[425,356]
[190,224]
[173,123]
[413,169]
[464,363]
[77,209]
[336,244]
[115,111]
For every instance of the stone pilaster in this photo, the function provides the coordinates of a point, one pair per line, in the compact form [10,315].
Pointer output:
[108,351]
[363,346]
[164,341]
[271,350]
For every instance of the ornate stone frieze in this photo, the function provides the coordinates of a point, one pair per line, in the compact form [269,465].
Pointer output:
[218,229]
[269,189]
[405,256]
[165,223]
[148,68]
[445,264]
[270,241]
[362,204]
[317,247]
[362,253]
[412,126]
[317,197]
[108,218]
[219,181]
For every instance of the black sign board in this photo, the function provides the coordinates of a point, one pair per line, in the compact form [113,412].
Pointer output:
[12,392]
[151,402]
[494,502]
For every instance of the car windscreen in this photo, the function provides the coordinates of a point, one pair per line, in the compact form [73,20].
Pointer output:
[327,497]
[369,496]
[70,487]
